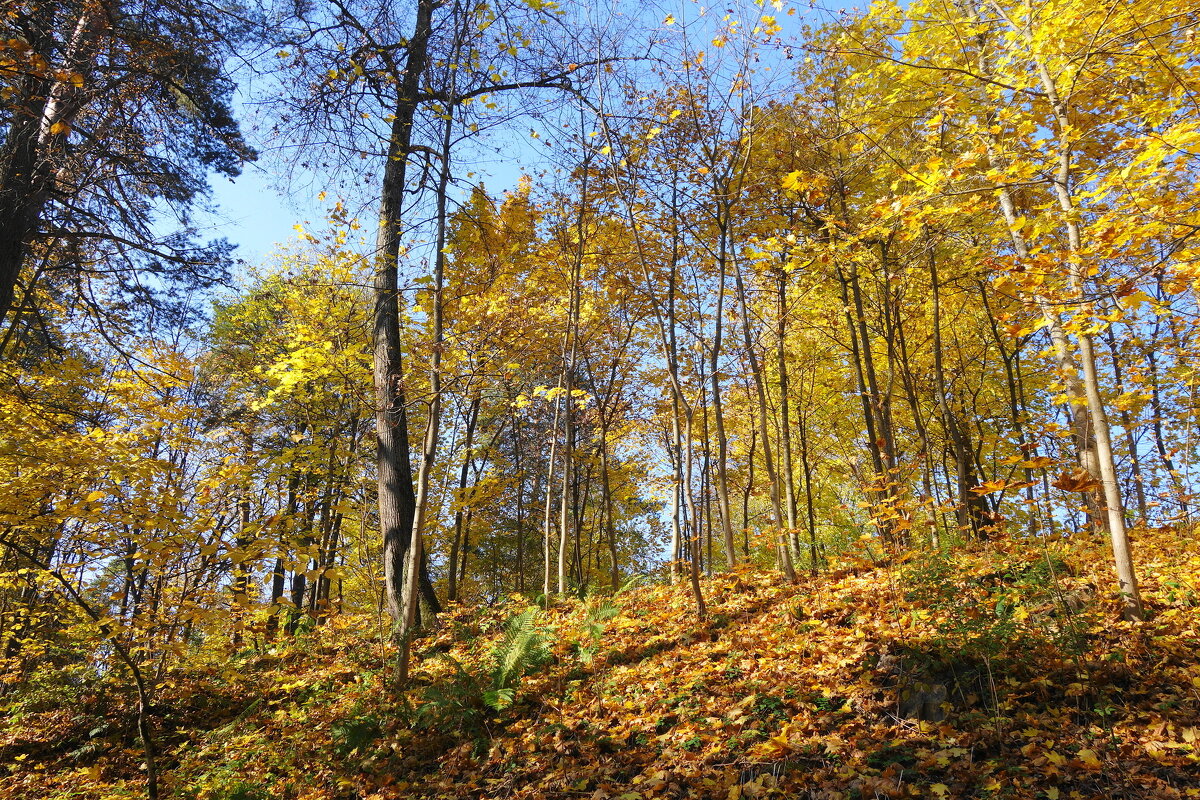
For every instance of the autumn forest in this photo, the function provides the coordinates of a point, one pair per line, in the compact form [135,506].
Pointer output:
[666,401]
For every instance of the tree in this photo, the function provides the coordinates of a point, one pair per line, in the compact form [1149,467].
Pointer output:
[454,57]
[287,374]
[110,114]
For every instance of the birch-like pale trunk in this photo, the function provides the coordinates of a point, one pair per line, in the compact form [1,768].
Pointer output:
[783,546]
[785,425]
[714,377]
[414,560]
[1061,184]
[547,518]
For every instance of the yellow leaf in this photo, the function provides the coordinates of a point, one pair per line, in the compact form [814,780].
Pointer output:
[1136,299]
[939,789]
[791,181]
[1089,759]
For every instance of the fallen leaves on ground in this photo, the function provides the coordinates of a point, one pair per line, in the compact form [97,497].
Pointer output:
[783,691]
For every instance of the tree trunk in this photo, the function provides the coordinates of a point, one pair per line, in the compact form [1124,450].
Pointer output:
[811,516]
[1122,549]
[520,478]
[714,377]
[37,131]
[785,425]
[568,377]
[610,527]
[1156,406]
[764,431]
[1127,425]
[546,521]
[457,542]
[241,579]
[414,563]
[877,488]
[397,500]
[970,509]
[692,542]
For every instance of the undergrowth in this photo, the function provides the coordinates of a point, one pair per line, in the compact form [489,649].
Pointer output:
[1031,687]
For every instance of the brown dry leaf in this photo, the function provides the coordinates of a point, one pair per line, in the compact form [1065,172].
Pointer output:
[1079,480]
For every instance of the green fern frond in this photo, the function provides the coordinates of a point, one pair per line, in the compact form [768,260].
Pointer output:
[603,612]
[632,582]
[524,647]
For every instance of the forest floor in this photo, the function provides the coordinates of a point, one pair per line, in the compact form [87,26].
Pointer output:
[999,671]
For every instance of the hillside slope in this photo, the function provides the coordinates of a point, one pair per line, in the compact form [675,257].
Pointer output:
[996,673]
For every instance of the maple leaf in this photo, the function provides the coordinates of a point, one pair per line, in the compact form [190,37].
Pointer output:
[1076,481]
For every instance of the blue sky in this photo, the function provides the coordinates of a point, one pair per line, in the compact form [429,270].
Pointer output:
[256,215]
[257,212]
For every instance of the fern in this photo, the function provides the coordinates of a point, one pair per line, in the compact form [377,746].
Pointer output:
[593,623]
[459,703]
[593,628]
[354,734]
[630,583]
[524,647]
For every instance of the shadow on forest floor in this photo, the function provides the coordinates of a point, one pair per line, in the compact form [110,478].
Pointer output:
[838,687]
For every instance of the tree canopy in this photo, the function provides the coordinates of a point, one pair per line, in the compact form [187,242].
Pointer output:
[864,336]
